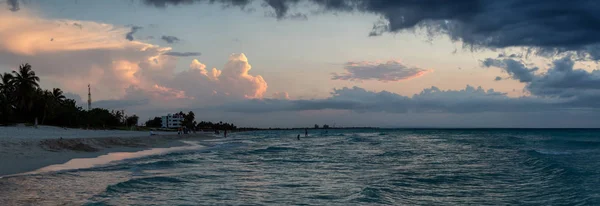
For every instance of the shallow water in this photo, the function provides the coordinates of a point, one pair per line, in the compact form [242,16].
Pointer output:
[343,167]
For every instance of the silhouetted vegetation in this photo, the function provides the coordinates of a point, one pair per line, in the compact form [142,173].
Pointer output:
[23,101]
[189,121]
[131,120]
[212,126]
[156,122]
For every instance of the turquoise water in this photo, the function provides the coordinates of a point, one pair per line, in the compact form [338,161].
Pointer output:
[343,167]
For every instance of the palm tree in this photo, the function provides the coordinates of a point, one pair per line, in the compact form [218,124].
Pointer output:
[6,85]
[25,78]
[46,99]
[50,101]
[6,97]
[58,95]
[6,82]
[25,82]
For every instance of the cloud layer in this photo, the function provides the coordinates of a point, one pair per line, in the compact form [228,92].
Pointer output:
[430,100]
[561,80]
[233,81]
[123,72]
[385,72]
[477,23]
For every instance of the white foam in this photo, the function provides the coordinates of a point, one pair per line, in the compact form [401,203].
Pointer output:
[552,152]
[84,163]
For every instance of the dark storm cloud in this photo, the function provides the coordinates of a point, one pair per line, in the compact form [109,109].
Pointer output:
[13,5]
[503,55]
[165,3]
[562,80]
[298,16]
[549,26]
[183,54]
[295,16]
[170,39]
[129,35]
[281,7]
[389,71]
[515,69]
[565,81]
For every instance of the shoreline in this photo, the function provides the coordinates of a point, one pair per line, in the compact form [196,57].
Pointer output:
[21,155]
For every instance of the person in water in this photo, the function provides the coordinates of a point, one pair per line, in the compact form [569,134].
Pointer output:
[305,132]
[298,137]
[225,133]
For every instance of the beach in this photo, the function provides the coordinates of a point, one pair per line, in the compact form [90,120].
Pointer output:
[25,149]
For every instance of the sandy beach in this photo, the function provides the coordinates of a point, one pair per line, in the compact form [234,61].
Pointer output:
[25,149]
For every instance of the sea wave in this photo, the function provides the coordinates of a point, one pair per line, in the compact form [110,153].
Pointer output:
[395,154]
[358,139]
[551,152]
[166,163]
[421,167]
[574,143]
[371,195]
[298,161]
[137,183]
[273,149]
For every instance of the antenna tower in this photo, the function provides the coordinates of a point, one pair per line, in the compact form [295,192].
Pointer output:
[89,98]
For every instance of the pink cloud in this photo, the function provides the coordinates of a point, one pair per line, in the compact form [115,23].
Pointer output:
[233,80]
[71,54]
[389,71]
[281,95]
[168,93]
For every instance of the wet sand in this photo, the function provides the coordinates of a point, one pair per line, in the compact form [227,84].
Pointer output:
[27,150]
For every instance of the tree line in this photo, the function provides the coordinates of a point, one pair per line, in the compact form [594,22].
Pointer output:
[190,123]
[23,101]
[325,126]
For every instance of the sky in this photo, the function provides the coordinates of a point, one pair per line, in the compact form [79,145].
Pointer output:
[296,63]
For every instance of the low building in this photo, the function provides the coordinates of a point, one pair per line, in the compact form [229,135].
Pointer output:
[172,121]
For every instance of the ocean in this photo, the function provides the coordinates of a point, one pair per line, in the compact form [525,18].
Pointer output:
[340,167]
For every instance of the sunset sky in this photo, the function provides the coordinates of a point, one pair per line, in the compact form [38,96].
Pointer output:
[295,63]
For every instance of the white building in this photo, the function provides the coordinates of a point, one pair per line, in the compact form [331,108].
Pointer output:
[172,121]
